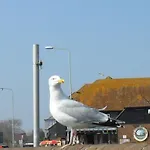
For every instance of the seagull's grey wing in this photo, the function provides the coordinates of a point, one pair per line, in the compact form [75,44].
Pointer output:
[81,112]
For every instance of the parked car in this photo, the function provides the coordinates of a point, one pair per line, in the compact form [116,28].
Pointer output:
[50,143]
[28,145]
[4,146]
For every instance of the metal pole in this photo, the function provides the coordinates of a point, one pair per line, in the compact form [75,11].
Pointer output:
[70,82]
[13,129]
[36,95]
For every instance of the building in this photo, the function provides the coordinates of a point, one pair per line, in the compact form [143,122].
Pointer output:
[54,130]
[127,99]
[1,137]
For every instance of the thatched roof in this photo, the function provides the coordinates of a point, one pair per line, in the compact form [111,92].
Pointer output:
[115,93]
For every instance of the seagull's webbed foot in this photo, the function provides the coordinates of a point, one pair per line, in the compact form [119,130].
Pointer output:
[65,146]
[70,144]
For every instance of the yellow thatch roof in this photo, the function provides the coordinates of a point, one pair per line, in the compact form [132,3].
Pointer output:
[115,93]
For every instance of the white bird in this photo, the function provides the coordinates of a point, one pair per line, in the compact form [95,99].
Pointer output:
[71,113]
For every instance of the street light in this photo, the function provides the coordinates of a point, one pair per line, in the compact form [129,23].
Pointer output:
[13,132]
[69,63]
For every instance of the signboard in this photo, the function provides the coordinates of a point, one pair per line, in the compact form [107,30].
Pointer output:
[140,134]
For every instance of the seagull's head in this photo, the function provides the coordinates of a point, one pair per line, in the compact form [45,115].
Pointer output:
[55,80]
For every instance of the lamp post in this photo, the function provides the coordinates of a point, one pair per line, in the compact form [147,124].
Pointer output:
[13,132]
[69,63]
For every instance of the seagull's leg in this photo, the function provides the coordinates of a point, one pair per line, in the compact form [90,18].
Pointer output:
[71,139]
[74,137]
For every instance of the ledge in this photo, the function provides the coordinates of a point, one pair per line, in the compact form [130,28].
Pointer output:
[133,146]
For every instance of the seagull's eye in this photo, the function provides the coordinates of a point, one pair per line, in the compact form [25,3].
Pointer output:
[53,78]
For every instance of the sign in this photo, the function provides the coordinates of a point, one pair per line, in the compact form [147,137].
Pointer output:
[140,134]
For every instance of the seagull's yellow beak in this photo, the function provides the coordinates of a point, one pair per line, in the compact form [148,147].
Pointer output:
[61,81]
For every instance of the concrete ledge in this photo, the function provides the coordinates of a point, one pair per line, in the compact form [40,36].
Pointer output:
[131,146]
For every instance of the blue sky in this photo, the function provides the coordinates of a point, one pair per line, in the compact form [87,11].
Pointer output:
[111,37]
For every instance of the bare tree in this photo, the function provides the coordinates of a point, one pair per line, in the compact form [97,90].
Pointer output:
[6,129]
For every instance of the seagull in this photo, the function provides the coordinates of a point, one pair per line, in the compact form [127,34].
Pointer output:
[71,113]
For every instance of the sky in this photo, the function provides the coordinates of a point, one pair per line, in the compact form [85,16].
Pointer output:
[111,37]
